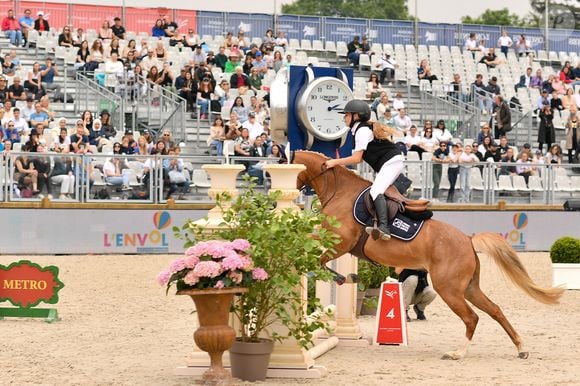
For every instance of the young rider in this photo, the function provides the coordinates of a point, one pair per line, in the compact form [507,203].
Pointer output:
[382,155]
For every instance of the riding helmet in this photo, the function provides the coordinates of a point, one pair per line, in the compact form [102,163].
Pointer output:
[360,107]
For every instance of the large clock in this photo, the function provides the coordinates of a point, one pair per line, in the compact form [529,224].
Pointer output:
[318,107]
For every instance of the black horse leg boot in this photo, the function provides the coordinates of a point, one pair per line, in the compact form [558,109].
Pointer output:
[382,230]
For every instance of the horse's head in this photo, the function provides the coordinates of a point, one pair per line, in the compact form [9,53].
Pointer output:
[314,163]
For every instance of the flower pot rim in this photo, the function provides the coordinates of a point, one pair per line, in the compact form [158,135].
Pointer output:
[213,291]
[261,340]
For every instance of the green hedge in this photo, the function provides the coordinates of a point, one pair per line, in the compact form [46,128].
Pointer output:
[565,250]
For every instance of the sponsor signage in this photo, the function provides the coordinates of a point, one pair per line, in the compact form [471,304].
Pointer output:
[391,320]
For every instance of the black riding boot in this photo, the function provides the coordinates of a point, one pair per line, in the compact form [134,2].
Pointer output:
[383,231]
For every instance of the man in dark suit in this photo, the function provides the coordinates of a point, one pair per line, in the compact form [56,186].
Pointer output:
[503,117]
[524,79]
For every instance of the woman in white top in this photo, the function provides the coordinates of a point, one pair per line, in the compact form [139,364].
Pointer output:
[504,42]
[374,87]
[466,161]
[398,102]
[383,105]
[33,82]
[430,143]
[442,135]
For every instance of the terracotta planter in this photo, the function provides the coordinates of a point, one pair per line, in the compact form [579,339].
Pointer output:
[249,360]
[214,335]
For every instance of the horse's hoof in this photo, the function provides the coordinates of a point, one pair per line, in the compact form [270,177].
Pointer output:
[523,355]
[451,356]
[352,278]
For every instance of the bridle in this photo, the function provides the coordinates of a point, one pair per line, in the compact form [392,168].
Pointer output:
[322,173]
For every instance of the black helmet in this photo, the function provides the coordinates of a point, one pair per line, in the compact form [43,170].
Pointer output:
[360,107]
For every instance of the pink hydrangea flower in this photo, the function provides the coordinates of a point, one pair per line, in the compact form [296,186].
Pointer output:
[177,265]
[163,277]
[259,274]
[233,261]
[191,278]
[219,284]
[240,244]
[236,277]
[208,269]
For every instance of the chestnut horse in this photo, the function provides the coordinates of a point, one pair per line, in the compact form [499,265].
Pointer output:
[441,249]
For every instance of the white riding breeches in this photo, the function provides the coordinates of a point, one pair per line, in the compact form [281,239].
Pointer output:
[387,175]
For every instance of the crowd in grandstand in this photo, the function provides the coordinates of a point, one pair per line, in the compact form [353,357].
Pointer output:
[233,82]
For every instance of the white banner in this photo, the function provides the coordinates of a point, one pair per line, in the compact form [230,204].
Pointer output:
[79,231]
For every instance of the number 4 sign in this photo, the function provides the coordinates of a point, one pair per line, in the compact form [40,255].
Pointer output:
[391,320]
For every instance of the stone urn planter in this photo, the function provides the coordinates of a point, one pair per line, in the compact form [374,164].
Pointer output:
[214,334]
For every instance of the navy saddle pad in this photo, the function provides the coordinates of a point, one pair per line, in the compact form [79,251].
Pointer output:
[402,227]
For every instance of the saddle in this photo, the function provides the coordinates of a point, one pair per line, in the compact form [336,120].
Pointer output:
[397,203]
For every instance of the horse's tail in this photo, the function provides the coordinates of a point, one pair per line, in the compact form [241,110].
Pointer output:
[506,258]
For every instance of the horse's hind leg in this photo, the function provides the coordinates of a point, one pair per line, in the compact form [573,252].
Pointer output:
[475,295]
[453,296]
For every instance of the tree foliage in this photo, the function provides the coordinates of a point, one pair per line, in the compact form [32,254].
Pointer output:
[501,17]
[366,9]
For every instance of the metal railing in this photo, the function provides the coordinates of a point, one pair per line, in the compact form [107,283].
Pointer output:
[147,180]
[92,96]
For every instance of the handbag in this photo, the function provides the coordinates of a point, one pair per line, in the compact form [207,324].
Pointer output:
[176,177]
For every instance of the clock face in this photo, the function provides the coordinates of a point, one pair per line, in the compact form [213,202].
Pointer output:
[319,107]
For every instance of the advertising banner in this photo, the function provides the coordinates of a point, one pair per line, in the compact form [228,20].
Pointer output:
[344,29]
[91,17]
[533,35]
[300,27]
[391,320]
[437,34]
[143,19]
[253,24]
[186,20]
[211,23]
[392,32]
[486,32]
[56,14]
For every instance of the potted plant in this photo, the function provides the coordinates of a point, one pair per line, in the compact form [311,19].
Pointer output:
[212,272]
[565,255]
[288,245]
[370,277]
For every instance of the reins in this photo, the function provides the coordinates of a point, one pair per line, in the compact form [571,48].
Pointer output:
[323,172]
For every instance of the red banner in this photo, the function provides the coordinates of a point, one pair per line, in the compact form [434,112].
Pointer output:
[92,17]
[142,19]
[186,20]
[25,284]
[391,320]
[55,13]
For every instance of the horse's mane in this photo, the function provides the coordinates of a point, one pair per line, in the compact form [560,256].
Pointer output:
[340,170]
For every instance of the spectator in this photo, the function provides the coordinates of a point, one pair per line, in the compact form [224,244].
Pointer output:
[544,100]
[217,135]
[20,123]
[188,90]
[210,59]
[126,145]
[157,31]
[97,135]
[34,82]
[484,132]
[414,141]
[536,81]
[403,121]
[169,26]
[490,59]
[429,142]
[39,116]
[83,56]
[558,86]
[166,77]
[233,126]
[554,155]
[504,42]
[442,135]
[198,56]
[479,92]
[438,159]
[8,67]
[47,73]
[4,91]
[29,109]
[524,166]
[221,58]
[63,174]
[191,39]
[65,39]
[387,66]
[229,41]
[354,51]
[105,32]
[416,291]
[239,79]
[466,160]
[222,92]
[34,139]
[6,112]
[424,72]
[492,153]
[546,133]
[113,48]
[573,136]
[555,103]
[16,92]
[547,84]
[281,40]
[568,100]
[26,24]
[255,80]
[243,146]
[457,92]
[150,61]
[79,140]
[40,24]
[254,127]
[508,157]
[115,173]
[131,47]
[204,97]
[42,166]
[260,64]
[87,120]
[383,105]
[25,174]
[11,133]
[503,117]
[242,42]
[177,175]
[453,169]
[108,127]
[117,28]
[62,141]
[78,37]
[471,44]
[97,56]
[374,87]
[525,80]
[233,62]
[523,46]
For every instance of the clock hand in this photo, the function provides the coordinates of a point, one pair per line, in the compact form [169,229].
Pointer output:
[330,108]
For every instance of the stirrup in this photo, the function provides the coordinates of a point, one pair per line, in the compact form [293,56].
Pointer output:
[377,234]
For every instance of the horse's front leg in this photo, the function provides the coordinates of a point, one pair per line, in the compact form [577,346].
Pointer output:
[351,278]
